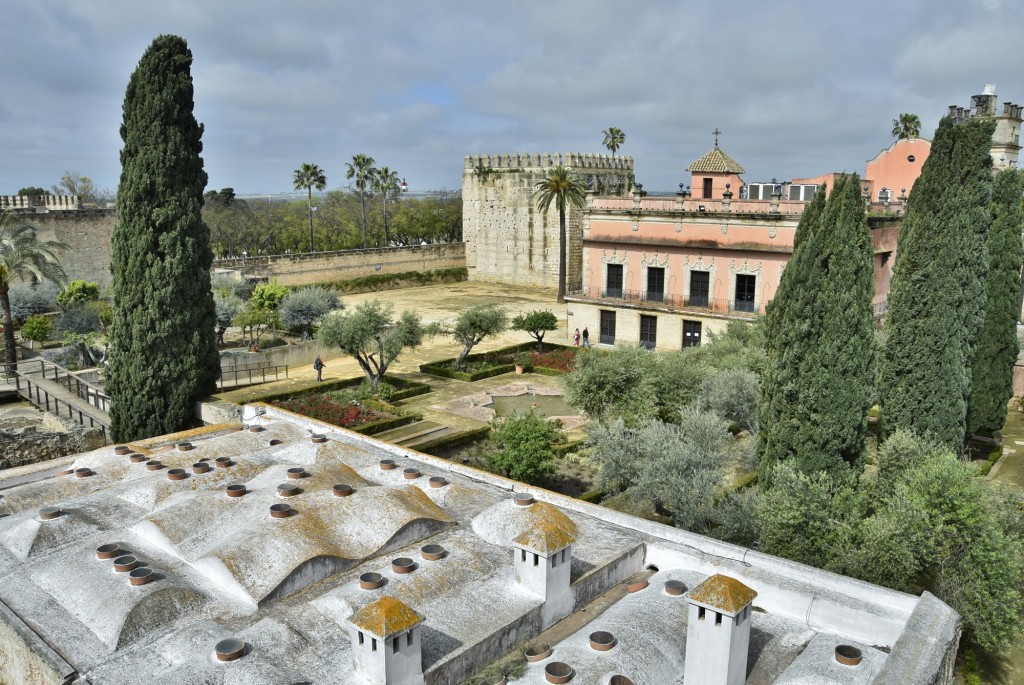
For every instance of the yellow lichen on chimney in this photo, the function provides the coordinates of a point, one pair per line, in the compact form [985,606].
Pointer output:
[723,593]
[385,617]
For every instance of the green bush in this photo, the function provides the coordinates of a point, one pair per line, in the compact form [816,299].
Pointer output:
[383,281]
[37,328]
[401,389]
[524,447]
[78,292]
[28,300]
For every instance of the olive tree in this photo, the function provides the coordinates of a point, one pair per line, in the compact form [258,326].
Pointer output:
[536,323]
[473,325]
[373,336]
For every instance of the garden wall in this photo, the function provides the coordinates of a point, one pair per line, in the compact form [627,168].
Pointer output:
[327,267]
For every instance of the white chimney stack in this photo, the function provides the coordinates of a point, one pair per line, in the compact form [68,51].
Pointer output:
[718,632]
[386,646]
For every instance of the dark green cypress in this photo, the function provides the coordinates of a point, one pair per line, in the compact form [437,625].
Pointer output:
[163,354]
[997,347]
[822,359]
[937,299]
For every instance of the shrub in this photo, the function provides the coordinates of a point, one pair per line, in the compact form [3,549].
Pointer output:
[77,293]
[524,451]
[28,300]
[37,328]
[80,320]
[239,287]
[302,309]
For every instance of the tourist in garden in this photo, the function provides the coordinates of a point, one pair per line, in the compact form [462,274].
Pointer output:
[318,364]
[576,337]
[586,337]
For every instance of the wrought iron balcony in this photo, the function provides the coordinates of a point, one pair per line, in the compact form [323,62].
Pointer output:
[671,301]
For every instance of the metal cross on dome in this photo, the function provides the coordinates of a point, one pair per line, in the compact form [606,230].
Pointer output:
[717,133]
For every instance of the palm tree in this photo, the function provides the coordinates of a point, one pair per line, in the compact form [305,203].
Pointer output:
[613,138]
[22,255]
[361,169]
[385,182]
[309,176]
[906,126]
[562,188]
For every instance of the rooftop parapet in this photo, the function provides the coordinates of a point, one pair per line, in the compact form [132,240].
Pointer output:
[576,160]
[46,202]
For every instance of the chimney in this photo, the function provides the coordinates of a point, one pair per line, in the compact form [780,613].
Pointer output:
[543,559]
[386,645]
[718,632]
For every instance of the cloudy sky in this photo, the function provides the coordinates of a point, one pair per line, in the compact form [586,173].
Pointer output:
[798,87]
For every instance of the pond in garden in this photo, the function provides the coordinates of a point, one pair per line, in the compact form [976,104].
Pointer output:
[546,405]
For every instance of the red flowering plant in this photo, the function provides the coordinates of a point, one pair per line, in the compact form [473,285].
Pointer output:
[323,407]
[560,360]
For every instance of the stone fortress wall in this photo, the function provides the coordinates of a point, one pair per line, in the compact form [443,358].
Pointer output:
[88,232]
[507,239]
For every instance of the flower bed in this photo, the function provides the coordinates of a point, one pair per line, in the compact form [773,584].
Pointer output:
[561,360]
[363,417]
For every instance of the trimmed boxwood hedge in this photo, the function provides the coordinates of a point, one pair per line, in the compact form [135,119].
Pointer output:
[452,439]
[404,389]
[405,419]
[446,367]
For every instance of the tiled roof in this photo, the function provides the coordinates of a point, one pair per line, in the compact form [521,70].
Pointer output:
[385,617]
[723,593]
[716,162]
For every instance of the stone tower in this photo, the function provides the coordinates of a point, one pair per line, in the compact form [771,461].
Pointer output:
[507,239]
[718,632]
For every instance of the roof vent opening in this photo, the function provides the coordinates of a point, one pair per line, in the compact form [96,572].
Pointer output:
[297,472]
[49,513]
[83,472]
[236,490]
[222,462]
[288,489]
[438,481]
[675,587]
[637,586]
[848,655]
[522,499]
[342,490]
[184,446]
[371,581]
[432,552]
[275,441]
[652,568]
[154,465]
[141,576]
[318,438]
[387,464]
[602,641]
[137,457]
[177,474]
[230,649]
[280,511]
[255,428]
[200,467]
[403,565]
[411,473]
[108,551]
[125,563]
[620,680]
[121,450]
[535,653]
[558,672]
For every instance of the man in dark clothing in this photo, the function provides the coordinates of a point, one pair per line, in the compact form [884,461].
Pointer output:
[586,337]
[319,366]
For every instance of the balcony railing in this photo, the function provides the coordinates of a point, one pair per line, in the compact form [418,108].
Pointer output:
[709,305]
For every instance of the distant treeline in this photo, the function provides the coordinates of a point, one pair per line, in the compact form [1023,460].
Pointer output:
[258,226]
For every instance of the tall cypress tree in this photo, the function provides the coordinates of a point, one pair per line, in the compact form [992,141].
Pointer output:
[163,354]
[821,357]
[997,347]
[937,299]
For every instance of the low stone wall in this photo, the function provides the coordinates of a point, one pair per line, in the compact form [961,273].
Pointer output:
[53,438]
[326,267]
[292,356]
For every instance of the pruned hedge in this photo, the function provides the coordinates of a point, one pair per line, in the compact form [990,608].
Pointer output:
[445,368]
[452,439]
[405,419]
[404,389]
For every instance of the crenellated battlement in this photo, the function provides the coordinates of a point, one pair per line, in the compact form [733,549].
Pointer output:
[576,160]
[40,202]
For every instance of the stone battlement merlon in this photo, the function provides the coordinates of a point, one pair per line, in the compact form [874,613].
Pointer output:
[37,202]
[576,160]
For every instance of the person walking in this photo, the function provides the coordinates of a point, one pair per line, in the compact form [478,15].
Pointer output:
[586,337]
[318,364]
[576,337]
